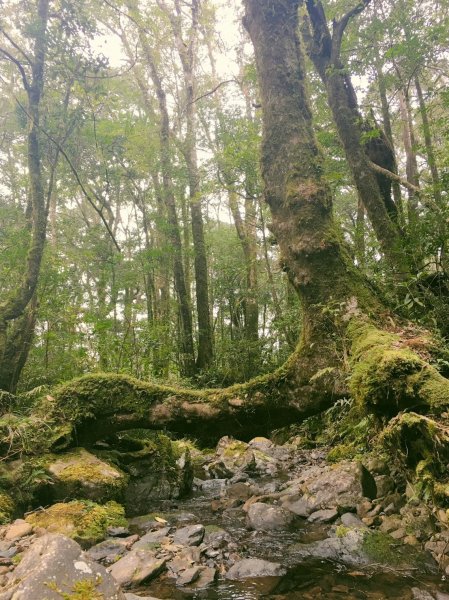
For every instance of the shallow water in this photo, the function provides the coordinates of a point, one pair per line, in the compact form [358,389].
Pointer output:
[310,580]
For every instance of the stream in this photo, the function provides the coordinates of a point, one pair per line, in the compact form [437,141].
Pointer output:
[305,579]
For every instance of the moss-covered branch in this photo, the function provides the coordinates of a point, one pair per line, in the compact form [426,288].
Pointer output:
[388,375]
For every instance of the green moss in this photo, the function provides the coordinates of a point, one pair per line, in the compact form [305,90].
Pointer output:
[341,531]
[388,377]
[79,474]
[86,522]
[86,589]
[341,452]
[380,548]
[7,508]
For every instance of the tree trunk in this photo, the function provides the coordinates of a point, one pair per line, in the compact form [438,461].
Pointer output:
[431,160]
[174,234]
[324,50]
[15,306]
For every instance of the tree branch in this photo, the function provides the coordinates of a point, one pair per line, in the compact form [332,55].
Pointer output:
[394,177]
[18,64]
[86,194]
[340,26]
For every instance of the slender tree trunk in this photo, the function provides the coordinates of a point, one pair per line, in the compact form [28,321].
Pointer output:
[15,306]
[187,52]
[386,118]
[411,168]
[187,348]
[431,160]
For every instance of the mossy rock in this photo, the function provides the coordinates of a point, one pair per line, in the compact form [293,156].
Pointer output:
[79,474]
[85,522]
[158,468]
[7,508]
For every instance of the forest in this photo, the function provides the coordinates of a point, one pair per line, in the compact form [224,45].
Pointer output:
[224,285]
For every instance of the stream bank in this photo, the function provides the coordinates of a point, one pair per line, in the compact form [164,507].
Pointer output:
[262,520]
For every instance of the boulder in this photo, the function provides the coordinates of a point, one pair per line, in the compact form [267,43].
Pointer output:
[158,470]
[251,568]
[233,456]
[53,567]
[79,474]
[264,517]
[363,547]
[137,566]
[192,535]
[110,550]
[85,522]
[343,486]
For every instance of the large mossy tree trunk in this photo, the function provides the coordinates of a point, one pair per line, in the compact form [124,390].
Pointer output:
[342,349]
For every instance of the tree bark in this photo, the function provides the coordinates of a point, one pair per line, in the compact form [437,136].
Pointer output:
[14,307]
[187,51]
[324,50]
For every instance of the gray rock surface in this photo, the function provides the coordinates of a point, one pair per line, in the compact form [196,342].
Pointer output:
[137,566]
[192,535]
[250,568]
[52,566]
[264,517]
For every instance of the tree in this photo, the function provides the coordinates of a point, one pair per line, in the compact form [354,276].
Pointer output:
[345,346]
[17,325]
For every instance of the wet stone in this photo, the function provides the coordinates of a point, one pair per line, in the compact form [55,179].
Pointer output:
[250,568]
[323,516]
[192,535]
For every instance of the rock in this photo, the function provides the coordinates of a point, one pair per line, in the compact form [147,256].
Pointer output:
[109,551]
[161,469]
[398,534]
[265,517]
[418,594]
[55,566]
[326,515]
[384,484]
[233,456]
[18,529]
[78,474]
[117,531]
[192,535]
[206,578]
[129,596]
[239,491]
[137,566]
[85,522]
[250,568]
[188,576]
[299,505]
[356,547]
[343,486]
[377,465]
[152,537]
[351,520]
[390,523]
[215,537]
